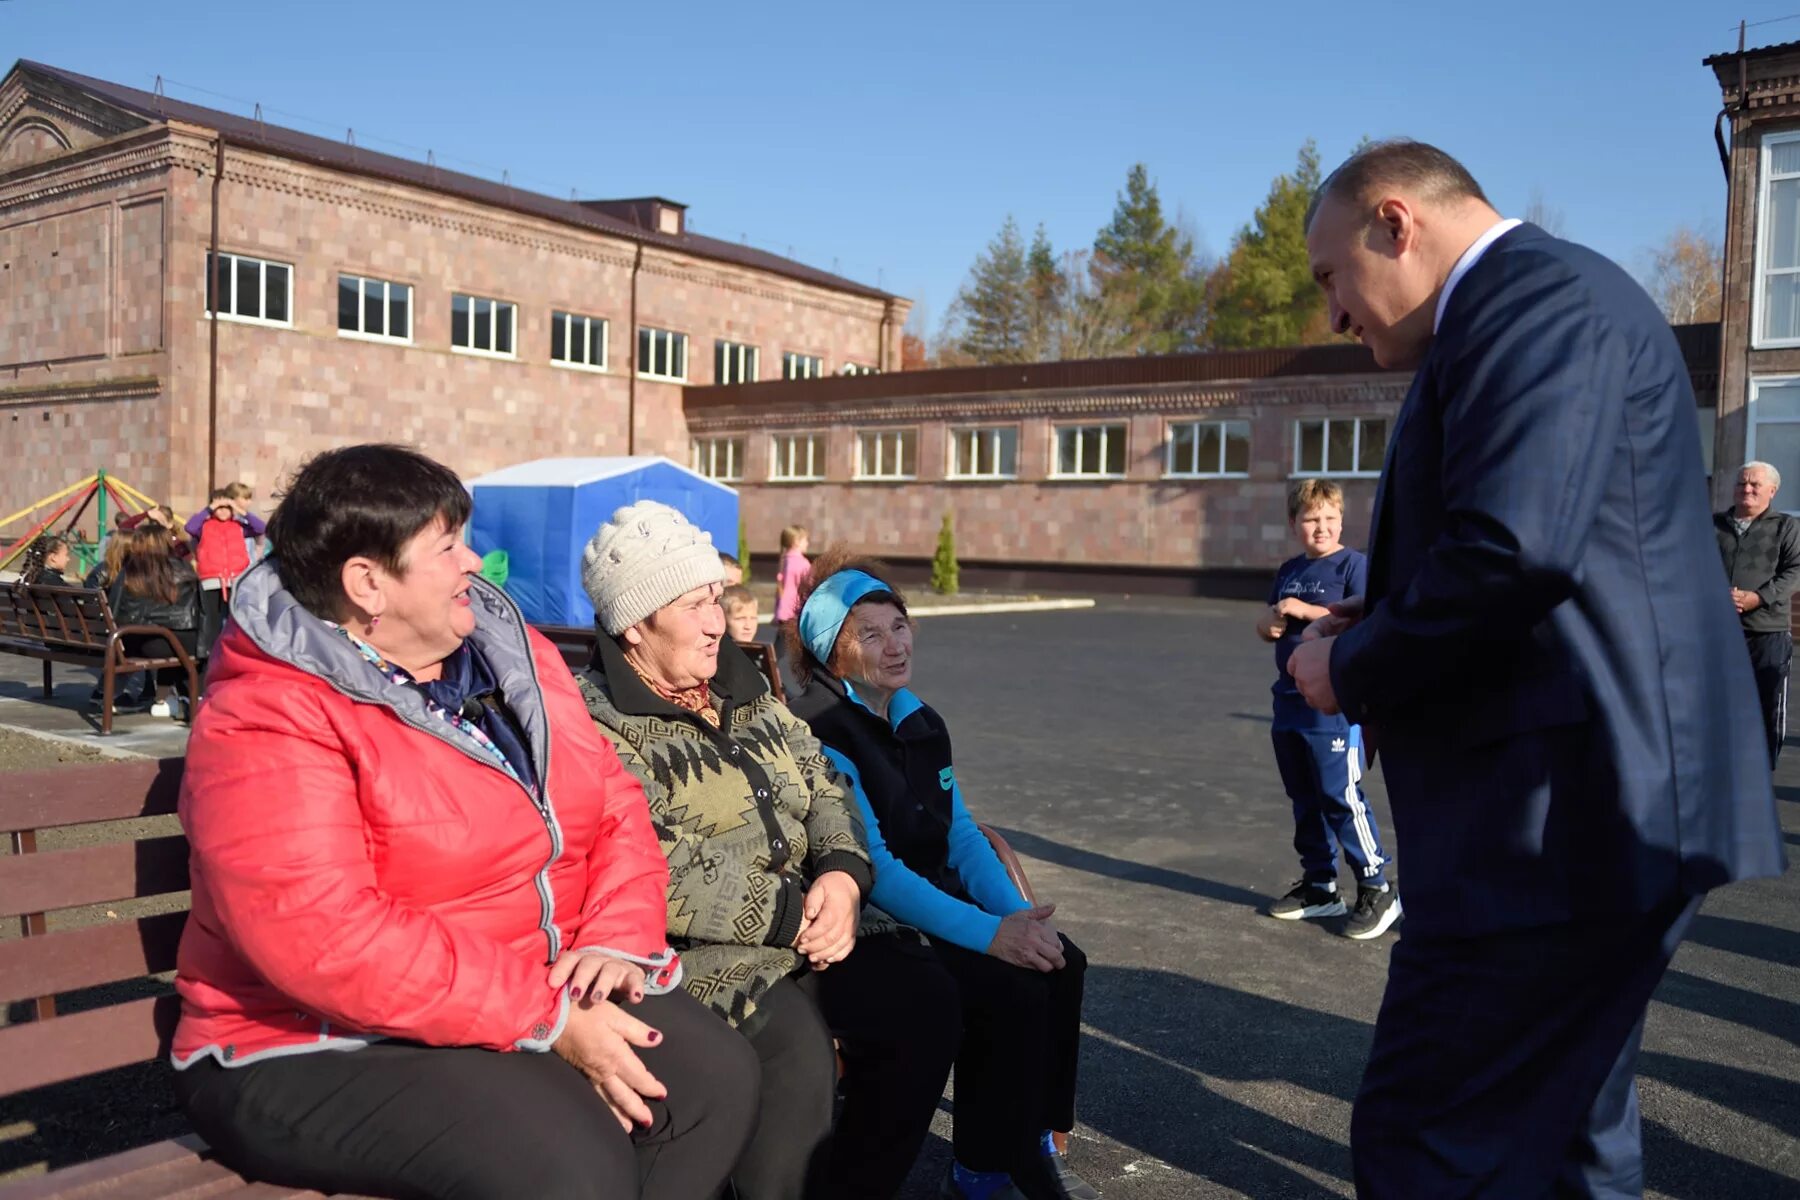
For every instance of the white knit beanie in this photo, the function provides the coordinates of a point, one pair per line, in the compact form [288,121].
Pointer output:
[645,557]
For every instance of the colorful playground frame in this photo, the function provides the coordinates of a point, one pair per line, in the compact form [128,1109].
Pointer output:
[76,497]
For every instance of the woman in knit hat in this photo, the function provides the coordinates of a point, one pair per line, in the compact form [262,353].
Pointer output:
[767,871]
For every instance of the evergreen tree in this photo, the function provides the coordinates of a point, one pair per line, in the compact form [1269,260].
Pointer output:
[993,309]
[944,571]
[1144,266]
[1264,294]
[1048,294]
[743,554]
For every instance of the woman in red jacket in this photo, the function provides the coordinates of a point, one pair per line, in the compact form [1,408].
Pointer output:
[426,956]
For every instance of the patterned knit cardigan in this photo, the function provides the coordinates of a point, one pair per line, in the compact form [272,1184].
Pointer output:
[748,816]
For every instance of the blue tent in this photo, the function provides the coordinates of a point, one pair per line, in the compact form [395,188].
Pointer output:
[542,513]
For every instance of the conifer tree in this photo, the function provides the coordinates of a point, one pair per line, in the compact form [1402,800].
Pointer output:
[944,571]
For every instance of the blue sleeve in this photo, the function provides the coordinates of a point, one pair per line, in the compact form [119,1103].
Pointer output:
[254,524]
[973,858]
[908,896]
[1356,578]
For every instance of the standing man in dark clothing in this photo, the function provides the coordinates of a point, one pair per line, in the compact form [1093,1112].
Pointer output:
[1761,549]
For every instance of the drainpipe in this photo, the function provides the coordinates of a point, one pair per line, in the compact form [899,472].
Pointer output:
[631,377]
[881,349]
[212,308]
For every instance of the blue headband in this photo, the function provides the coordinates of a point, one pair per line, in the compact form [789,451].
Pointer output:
[829,605]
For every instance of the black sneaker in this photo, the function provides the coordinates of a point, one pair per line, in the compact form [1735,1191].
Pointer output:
[1376,910]
[1308,900]
[1049,1177]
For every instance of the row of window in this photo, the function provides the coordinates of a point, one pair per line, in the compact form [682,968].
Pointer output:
[253,289]
[1341,446]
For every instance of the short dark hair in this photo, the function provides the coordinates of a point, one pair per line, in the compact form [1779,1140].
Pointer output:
[837,558]
[729,560]
[1398,162]
[364,501]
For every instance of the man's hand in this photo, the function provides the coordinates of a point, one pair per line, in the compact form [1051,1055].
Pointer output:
[598,1041]
[1311,668]
[1745,602]
[1340,616]
[833,907]
[1028,939]
[598,975]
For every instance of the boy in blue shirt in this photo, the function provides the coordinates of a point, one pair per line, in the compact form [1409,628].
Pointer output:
[1320,756]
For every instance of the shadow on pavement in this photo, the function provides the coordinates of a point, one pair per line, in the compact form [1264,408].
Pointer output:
[1780,946]
[1774,1016]
[1035,846]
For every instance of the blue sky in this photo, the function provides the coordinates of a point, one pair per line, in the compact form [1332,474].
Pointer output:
[892,140]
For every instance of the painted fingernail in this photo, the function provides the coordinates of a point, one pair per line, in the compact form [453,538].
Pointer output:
[575,993]
[655,1037]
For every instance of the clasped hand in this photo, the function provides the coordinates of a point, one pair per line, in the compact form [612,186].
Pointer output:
[1028,939]
[1310,664]
[828,922]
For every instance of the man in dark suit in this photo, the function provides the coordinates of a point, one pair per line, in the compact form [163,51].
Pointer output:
[1549,664]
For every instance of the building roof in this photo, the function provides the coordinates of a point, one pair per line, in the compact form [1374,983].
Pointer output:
[576,472]
[1752,53]
[291,143]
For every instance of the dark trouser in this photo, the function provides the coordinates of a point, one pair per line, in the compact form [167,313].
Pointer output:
[138,646]
[1771,654]
[1503,1065]
[214,607]
[895,1010]
[455,1123]
[1322,769]
[1015,1073]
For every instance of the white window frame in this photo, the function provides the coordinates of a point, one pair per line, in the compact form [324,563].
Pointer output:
[512,314]
[1757,340]
[594,330]
[1171,471]
[960,434]
[1105,430]
[797,364]
[1752,423]
[851,368]
[817,445]
[705,457]
[263,265]
[1300,472]
[671,336]
[749,360]
[360,335]
[887,442]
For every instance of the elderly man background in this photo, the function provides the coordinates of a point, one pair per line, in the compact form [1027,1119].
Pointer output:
[1551,672]
[1761,549]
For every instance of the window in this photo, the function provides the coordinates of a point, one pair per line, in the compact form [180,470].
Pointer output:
[1089,451]
[984,453]
[734,362]
[1340,446]
[662,355]
[719,458]
[374,308]
[482,326]
[801,366]
[798,456]
[1774,433]
[1199,449]
[1778,244]
[859,369]
[887,454]
[578,341]
[250,289]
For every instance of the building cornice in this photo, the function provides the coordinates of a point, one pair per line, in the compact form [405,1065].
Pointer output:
[135,387]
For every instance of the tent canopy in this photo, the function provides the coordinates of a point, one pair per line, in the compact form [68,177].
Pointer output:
[543,512]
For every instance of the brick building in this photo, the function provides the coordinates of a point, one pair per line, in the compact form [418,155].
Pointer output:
[361,296]
[1759,385]
[1150,473]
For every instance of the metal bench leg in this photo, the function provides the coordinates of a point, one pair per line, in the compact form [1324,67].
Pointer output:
[49,688]
[108,673]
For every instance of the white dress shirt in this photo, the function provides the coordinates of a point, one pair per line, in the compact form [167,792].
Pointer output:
[1469,258]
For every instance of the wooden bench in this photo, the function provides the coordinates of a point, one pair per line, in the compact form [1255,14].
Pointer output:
[75,625]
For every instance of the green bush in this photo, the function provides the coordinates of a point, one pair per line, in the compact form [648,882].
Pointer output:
[944,571]
[743,554]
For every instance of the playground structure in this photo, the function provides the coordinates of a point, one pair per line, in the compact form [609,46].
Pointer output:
[72,502]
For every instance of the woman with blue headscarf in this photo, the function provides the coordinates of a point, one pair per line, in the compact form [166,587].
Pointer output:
[1018,980]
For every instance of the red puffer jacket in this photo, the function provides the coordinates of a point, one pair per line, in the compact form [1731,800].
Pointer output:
[361,869]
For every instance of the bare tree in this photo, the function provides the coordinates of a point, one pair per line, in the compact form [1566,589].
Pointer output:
[1686,277]
[1550,220]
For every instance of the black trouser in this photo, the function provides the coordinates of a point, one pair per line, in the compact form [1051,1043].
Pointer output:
[1015,1073]
[214,607]
[402,1120]
[139,646]
[895,1010]
[1770,656]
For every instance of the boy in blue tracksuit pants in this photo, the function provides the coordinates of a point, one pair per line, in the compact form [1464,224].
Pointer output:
[1320,757]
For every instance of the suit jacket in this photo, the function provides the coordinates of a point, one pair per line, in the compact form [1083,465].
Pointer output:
[1549,654]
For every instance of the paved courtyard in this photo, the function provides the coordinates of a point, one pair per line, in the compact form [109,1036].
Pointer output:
[1124,752]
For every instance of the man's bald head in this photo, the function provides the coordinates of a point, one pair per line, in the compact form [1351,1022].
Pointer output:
[1399,165]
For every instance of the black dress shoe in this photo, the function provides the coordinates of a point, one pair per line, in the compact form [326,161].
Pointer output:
[1051,1178]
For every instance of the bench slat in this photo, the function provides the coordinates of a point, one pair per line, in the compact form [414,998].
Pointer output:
[83,792]
[175,1167]
[80,958]
[39,1053]
[56,879]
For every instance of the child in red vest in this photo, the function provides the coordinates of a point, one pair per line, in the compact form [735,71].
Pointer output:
[219,558]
